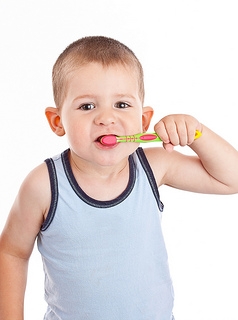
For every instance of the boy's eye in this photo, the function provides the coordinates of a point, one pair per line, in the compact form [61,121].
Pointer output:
[87,106]
[122,105]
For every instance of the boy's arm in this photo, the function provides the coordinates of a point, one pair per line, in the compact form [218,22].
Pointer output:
[17,241]
[13,271]
[219,160]
[213,170]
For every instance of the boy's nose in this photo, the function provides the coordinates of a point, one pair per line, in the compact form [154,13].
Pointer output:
[105,118]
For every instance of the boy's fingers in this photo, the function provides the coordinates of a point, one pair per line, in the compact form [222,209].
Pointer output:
[176,131]
[168,147]
[162,132]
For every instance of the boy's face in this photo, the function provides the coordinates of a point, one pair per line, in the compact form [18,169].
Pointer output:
[100,101]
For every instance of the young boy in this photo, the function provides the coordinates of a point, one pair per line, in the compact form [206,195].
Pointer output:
[94,209]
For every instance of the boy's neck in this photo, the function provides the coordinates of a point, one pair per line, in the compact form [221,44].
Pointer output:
[104,183]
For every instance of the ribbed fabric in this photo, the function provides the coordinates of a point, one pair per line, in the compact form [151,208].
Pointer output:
[105,260]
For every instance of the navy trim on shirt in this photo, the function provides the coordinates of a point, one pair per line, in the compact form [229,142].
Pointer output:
[150,175]
[54,193]
[90,201]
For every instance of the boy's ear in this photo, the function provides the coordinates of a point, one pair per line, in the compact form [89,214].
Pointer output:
[147,115]
[54,119]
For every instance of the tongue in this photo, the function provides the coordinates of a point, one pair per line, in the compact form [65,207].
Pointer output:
[109,140]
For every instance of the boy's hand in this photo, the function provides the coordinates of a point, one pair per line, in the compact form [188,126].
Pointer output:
[177,129]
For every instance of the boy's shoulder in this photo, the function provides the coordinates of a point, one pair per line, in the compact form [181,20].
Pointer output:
[164,164]
[38,177]
[35,190]
[28,212]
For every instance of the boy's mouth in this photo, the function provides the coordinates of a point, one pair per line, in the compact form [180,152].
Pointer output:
[99,138]
[107,140]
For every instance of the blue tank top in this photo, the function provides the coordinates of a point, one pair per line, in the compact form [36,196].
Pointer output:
[105,260]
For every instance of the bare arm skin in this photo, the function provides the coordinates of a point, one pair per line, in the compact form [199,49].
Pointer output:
[17,241]
[215,168]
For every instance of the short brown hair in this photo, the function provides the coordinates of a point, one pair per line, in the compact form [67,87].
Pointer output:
[104,50]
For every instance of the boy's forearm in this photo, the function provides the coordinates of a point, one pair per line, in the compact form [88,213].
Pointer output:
[13,274]
[219,158]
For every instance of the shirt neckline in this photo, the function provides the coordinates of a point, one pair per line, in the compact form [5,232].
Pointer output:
[89,200]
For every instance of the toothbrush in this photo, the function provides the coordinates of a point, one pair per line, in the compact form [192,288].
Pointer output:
[111,140]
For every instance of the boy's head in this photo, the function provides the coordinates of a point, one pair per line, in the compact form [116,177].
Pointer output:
[103,50]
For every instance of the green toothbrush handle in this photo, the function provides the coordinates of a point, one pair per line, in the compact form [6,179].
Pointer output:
[147,137]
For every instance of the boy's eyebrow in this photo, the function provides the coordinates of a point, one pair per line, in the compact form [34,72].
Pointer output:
[85,96]
[125,95]
[82,96]
[117,96]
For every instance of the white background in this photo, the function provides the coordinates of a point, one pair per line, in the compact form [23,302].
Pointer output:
[189,51]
